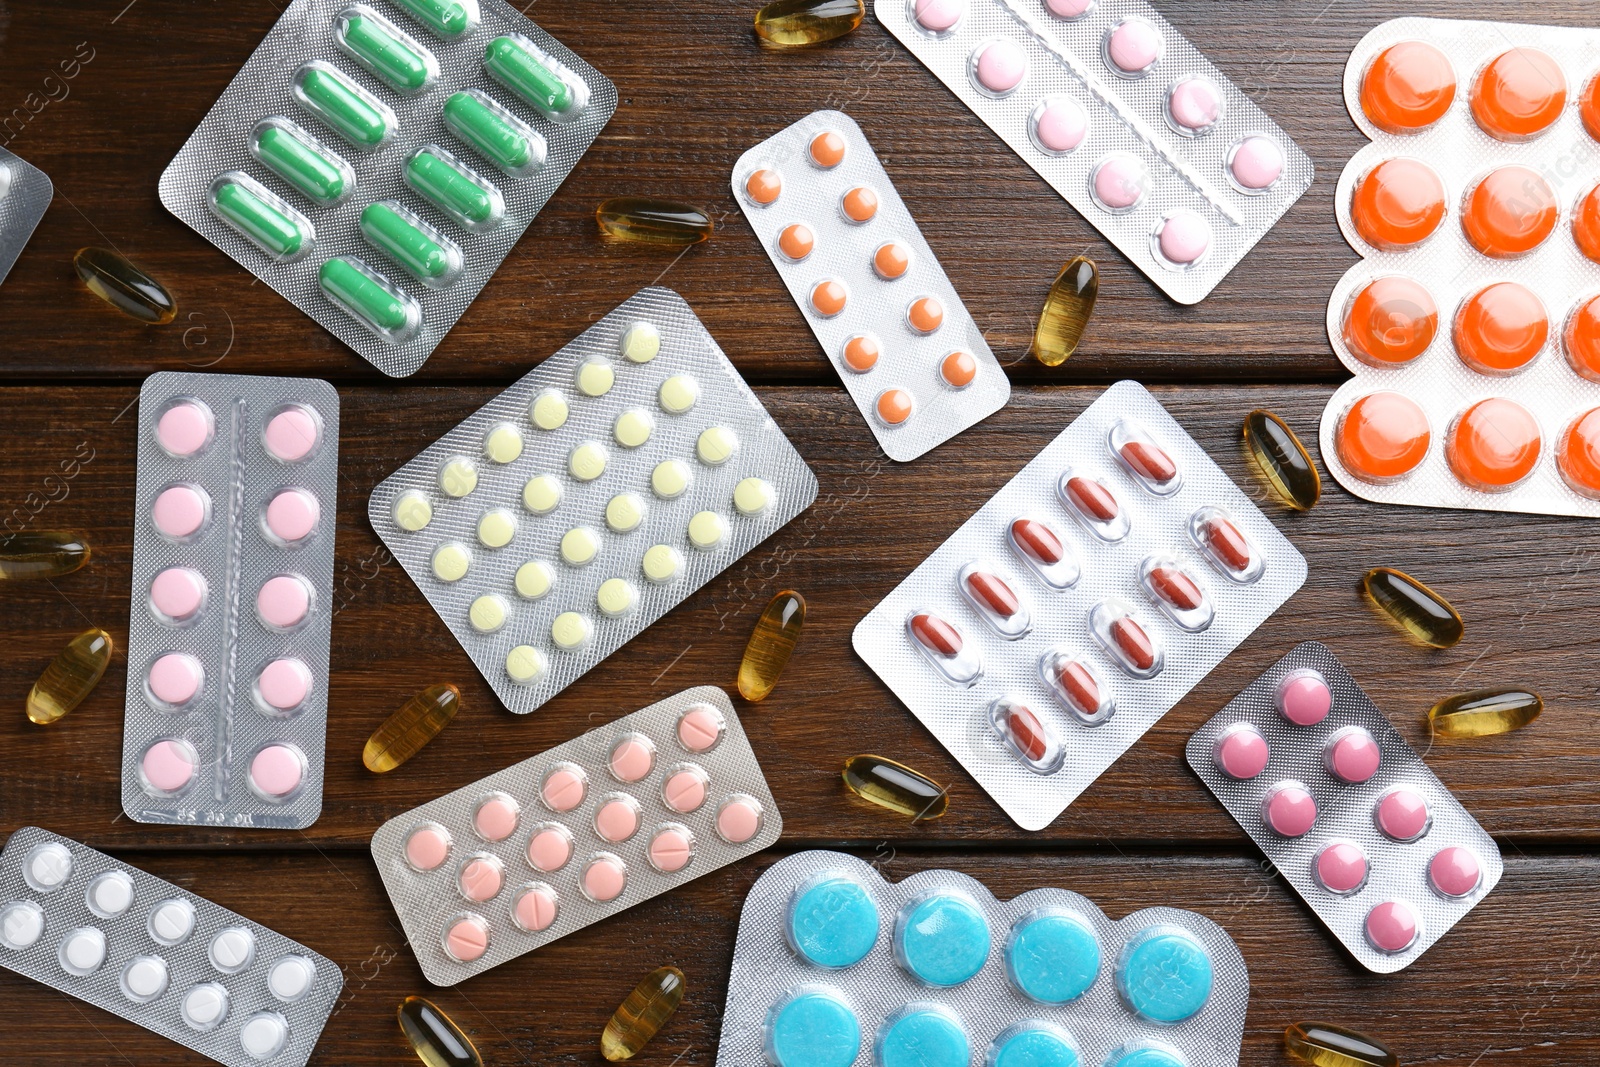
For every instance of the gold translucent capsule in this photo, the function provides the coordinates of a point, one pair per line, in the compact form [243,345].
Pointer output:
[1066,312]
[42,554]
[771,644]
[1282,460]
[71,676]
[1484,712]
[124,286]
[649,221]
[895,786]
[1414,607]
[799,23]
[1323,1045]
[413,725]
[645,1011]
[437,1040]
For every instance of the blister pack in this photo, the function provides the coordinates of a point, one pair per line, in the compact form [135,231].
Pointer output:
[1346,811]
[836,966]
[1124,118]
[566,838]
[234,519]
[1477,200]
[25,194]
[855,262]
[375,162]
[157,955]
[586,501]
[1079,604]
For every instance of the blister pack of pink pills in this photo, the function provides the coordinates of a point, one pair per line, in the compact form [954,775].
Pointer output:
[842,240]
[1346,811]
[157,955]
[1079,604]
[566,838]
[1472,322]
[1124,118]
[25,195]
[233,529]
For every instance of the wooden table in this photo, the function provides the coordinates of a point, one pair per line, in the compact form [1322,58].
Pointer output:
[1513,984]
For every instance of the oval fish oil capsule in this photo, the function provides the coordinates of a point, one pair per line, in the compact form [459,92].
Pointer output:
[644,1012]
[124,285]
[384,49]
[495,133]
[425,253]
[896,787]
[343,106]
[260,217]
[942,645]
[291,153]
[536,76]
[1282,460]
[1413,607]
[650,221]
[1076,686]
[412,726]
[454,188]
[803,23]
[1325,1045]
[370,298]
[435,1037]
[1029,737]
[70,677]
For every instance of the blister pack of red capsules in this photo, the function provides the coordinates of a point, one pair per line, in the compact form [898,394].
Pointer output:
[1472,323]
[1079,604]
[1348,813]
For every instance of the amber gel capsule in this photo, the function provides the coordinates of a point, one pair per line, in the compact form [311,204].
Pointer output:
[1323,1045]
[645,1011]
[437,1040]
[895,786]
[71,676]
[124,286]
[1414,607]
[1066,312]
[42,554]
[648,221]
[771,644]
[413,725]
[1484,712]
[799,23]
[1282,460]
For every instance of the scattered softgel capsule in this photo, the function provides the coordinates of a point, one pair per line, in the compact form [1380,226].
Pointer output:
[71,676]
[1484,712]
[895,786]
[1066,312]
[42,554]
[642,1013]
[1326,1045]
[649,221]
[117,281]
[801,23]
[438,1041]
[413,725]
[1413,607]
[771,644]
[1282,460]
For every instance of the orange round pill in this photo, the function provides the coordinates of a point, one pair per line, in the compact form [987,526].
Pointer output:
[1494,444]
[1383,437]
[861,353]
[891,260]
[828,297]
[894,406]
[1499,329]
[1578,456]
[764,185]
[1408,87]
[1589,107]
[796,241]
[958,369]
[827,149]
[925,314]
[1581,339]
[1509,213]
[1390,320]
[1397,204]
[1518,95]
[859,204]
[1586,223]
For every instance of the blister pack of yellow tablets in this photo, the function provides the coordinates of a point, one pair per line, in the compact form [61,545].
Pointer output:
[375,162]
[25,193]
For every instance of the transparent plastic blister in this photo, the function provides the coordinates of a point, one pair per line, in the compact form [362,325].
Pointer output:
[1124,118]
[836,966]
[466,117]
[25,194]
[157,955]
[1474,320]
[1104,655]
[1347,812]
[907,350]
[625,812]
[233,551]
[587,500]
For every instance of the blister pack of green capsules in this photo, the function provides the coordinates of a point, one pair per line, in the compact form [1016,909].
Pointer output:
[375,162]
[25,193]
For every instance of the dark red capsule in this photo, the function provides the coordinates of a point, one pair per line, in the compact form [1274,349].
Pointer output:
[1176,588]
[1149,461]
[993,593]
[1080,687]
[1134,642]
[1037,541]
[1229,545]
[1028,733]
[936,634]
[1092,498]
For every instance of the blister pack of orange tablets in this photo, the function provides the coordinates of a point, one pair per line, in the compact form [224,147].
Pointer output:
[1472,323]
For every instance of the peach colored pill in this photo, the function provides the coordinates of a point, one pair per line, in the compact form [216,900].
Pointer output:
[284,683]
[796,241]
[632,758]
[894,406]
[859,204]
[276,771]
[549,850]
[175,678]
[180,510]
[427,848]
[168,766]
[827,149]
[467,940]
[861,353]
[480,879]
[891,260]
[616,820]
[284,601]
[764,185]
[496,818]
[958,369]
[563,790]
[184,428]
[828,298]
[700,728]
[925,314]
[292,515]
[536,909]
[178,592]
[291,434]
[670,851]
[604,879]
[739,820]
[685,791]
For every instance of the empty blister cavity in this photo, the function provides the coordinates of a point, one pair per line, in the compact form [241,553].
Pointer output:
[260,216]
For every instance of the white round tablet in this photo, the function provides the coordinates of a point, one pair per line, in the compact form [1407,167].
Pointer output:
[110,895]
[205,1005]
[263,1035]
[171,921]
[232,949]
[21,923]
[82,951]
[290,977]
[47,866]
[144,979]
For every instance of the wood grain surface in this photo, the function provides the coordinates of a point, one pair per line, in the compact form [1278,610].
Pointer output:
[1513,984]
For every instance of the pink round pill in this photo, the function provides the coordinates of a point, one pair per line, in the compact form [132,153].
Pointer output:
[671,850]
[536,908]
[1242,752]
[617,819]
[1256,163]
[550,849]
[466,940]
[1402,815]
[1304,698]
[283,602]
[1059,124]
[604,878]
[480,878]
[999,66]
[184,428]
[1133,46]
[177,593]
[180,510]
[1289,810]
[632,758]
[284,683]
[427,847]
[1454,871]
[496,818]
[1352,755]
[739,820]
[291,434]
[937,16]
[1342,867]
[175,678]
[563,789]
[1194,104]
[292,515]
[1183,238]
[700,728]
[276,771]
[1119,181]
[168,766]
[685,791]
[1069,9]
[1391,926]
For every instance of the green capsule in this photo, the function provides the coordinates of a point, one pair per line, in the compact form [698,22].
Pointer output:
[411,243]
[371,40]
[344,106]
[446,18]
[297,158]
[269,226]
[494,133]
[454,189]
[357,288]
[518,66]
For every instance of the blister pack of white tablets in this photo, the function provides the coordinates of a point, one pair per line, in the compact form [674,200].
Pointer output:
[1124,118]
[157,955]
[566,838]
[375,162]
[855,262]
[1478,201]
[233,537]
[25,194]
[1093,591]
[1346,811]
[835,966]
[586,501]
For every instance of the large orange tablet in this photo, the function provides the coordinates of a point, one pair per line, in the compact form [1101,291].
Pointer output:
[1578,455]
[1509,213]
[1581,339]
[1500,329]
[1383,436]
[1586,223]
[1518,95]
[1589,107]
[1390,320]
[1397,204]
[1494,444]
[1408,87]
